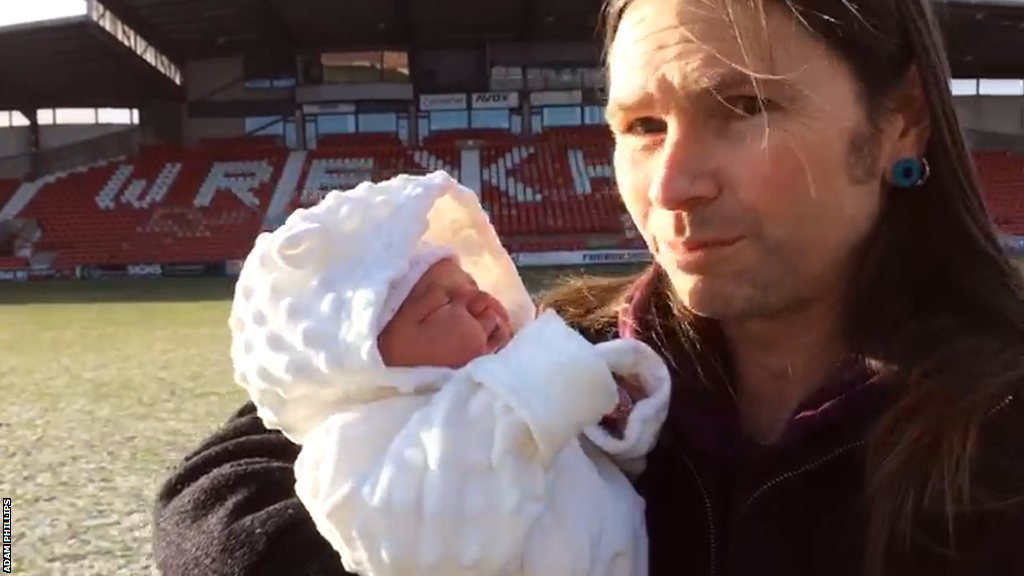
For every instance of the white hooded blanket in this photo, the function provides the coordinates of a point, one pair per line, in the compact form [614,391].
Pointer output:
[498,468]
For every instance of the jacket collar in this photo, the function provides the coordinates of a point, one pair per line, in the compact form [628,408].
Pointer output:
[845,407]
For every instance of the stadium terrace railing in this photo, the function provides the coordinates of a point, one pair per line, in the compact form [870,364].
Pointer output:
[120,144]
[985,140]
[16,166]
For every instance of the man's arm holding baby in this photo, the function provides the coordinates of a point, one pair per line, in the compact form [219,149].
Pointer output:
[230,509]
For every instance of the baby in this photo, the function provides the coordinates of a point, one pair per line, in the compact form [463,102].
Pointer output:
[444,319]
[445,428]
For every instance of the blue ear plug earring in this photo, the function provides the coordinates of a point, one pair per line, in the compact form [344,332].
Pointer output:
[909,172]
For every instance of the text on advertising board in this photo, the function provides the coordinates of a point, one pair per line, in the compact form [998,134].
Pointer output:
[13,275]
[484,100]
[145,270]
[433,102]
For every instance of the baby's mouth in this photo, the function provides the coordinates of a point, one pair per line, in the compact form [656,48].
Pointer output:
[496,336]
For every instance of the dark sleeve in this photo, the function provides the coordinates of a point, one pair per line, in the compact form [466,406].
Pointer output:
[230,509]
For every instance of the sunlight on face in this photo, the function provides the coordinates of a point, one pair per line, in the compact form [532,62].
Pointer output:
[741,188]
[445,321]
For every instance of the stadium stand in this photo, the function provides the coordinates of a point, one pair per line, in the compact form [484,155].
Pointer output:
[1003,176]
[249,128]
[208,203]
[7,188]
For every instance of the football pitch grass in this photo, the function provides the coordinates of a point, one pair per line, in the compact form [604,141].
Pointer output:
[105,386]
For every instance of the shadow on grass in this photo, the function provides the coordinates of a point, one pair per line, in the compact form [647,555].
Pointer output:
[140,290]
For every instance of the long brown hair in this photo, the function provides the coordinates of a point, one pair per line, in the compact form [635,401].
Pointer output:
[935,299]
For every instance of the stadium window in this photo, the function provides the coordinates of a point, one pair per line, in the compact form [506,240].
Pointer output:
[115,116]
[135,116]
[567,78]
[963,86]
[403,128]
[562,116]
[536,122]
[44,117]
[534,79]
[449,120]
[290,134]
[517,123]
[365,67]
[396,67]
[593,115]
[76,116]
[18,119]
[336,124]
[311,133]
[378,122]
[555,78]
[264,126]
[274,70]
[489,119]
[423,126]
[269,83]
[1000,87]
[504,78]
[593,77]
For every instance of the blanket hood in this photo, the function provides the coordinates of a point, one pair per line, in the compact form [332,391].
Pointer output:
[309,296]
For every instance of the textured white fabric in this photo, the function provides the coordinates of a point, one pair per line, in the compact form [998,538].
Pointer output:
[425,257]
[495,469]
[632,358]
[487,476]
[309,296]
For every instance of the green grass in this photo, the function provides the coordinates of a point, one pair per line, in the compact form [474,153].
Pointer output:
[105,386]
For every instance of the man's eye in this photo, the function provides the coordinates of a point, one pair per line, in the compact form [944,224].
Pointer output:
[646,126]
[748,106]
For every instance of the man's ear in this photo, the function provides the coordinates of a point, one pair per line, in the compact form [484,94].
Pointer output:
[909,112]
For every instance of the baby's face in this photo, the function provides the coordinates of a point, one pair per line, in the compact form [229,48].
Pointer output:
[446,321]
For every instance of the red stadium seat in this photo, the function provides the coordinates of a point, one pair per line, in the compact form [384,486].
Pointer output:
[1002,175]
[551,187]
[340,167]
[183,206]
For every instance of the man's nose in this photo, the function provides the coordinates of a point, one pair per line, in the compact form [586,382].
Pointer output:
[683,176]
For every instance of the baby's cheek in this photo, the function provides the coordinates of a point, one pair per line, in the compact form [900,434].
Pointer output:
[456,341]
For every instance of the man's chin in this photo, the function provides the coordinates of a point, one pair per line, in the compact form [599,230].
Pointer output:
[704,296]
[724,300]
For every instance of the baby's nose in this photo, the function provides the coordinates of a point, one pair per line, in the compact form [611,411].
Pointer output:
[476,304]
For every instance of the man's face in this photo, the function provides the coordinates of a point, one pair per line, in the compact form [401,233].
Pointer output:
[445,321]
[753,197]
